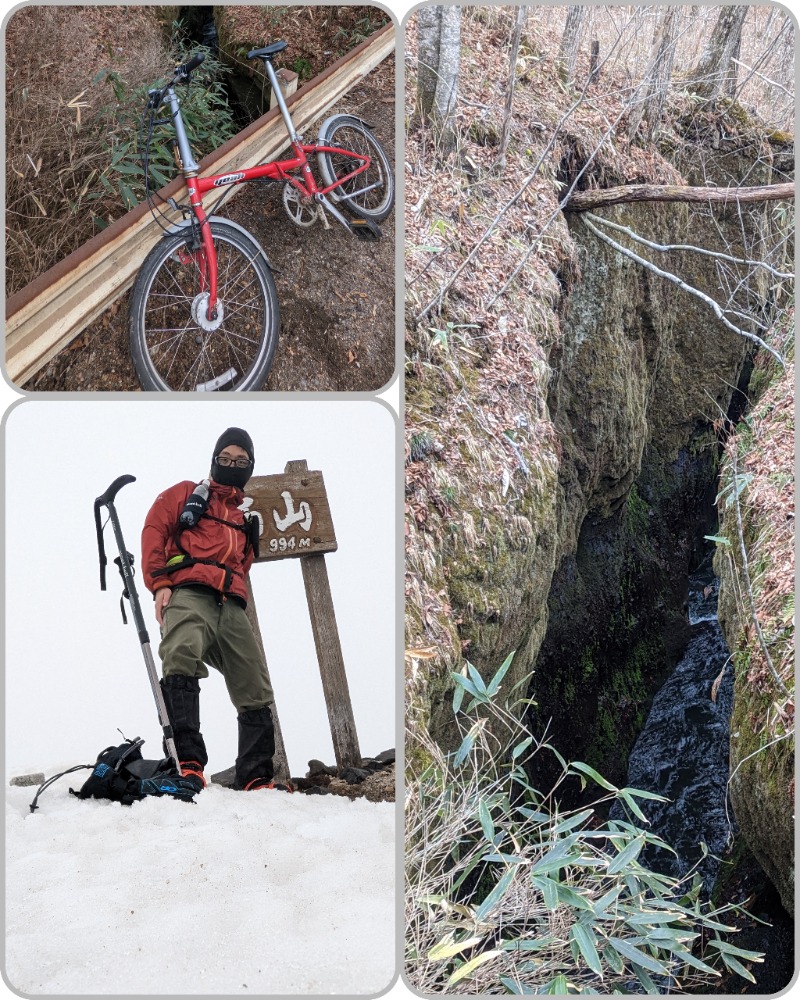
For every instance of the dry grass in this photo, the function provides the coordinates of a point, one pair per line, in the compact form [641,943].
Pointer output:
[58,119]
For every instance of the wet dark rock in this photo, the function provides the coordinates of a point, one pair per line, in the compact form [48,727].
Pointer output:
[387,757]
[316,767]
[354,775]
[682,751]
[316,790]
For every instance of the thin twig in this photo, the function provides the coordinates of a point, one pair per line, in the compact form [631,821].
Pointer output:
[663,248]
[669,276]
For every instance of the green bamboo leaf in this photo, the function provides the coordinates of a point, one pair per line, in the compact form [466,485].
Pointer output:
[528,944]
[469,967]
[447,947]
[590,771]
[649,986]
[552,860]
[718,539]
[640,793]
[477,680]
[534,814]
[573,821]
[731,949]
[464,682]
[495,895]
[736,966]
[494,683]
[570,897]
[557,987]
[466,746]
[520,748]
[517,989]
[614,959]
[690,959]
[633,806]
[605,901]
[631,952]
[585,939]
[624,858]
[548,889]
[485,817]
[458,697]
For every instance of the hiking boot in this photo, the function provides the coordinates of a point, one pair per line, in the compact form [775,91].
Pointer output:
[193,770]
[258,783]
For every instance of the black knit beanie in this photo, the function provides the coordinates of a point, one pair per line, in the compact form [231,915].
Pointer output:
[231,476]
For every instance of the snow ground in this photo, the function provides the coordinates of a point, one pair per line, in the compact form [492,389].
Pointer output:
[242,893]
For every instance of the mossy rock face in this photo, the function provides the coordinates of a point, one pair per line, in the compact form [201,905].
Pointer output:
[591,594]
[762,740]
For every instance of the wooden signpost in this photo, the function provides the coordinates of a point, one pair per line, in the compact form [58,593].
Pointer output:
[296,523]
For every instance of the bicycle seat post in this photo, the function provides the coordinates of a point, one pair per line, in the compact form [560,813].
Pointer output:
[276,90]
[188,161]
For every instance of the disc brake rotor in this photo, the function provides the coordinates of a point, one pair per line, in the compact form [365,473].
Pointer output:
[301,210]
[200,313]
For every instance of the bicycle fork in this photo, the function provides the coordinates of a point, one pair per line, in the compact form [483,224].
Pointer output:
[190,170]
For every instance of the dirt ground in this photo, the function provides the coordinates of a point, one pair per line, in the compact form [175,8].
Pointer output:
[336,292]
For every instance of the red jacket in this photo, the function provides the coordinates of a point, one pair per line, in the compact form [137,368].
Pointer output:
[209,539]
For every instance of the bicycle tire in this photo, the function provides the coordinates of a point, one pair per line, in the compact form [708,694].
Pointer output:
[174,346]
[348,132]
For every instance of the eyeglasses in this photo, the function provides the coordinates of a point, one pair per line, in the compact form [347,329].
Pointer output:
[239,463]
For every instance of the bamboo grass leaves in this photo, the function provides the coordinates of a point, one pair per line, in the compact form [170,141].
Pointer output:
[508,892]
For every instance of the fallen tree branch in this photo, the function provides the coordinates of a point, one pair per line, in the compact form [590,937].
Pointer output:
[669,276]
[583,201]
[663,248]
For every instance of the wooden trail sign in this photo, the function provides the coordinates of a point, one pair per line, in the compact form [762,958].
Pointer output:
[296,522]
[294,514]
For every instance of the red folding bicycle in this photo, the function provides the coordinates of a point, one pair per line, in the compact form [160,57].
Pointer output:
[204,309]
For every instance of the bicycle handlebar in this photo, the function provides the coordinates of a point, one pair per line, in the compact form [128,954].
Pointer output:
[186,69]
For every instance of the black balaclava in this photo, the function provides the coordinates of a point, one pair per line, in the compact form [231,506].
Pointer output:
[231,476]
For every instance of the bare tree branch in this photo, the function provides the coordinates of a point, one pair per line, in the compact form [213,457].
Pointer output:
[669,276]
[522,13]
[663,248]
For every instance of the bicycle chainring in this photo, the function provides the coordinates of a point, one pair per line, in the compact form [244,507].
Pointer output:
[301,210]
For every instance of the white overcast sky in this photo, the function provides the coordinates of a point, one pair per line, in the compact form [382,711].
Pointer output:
[74,673]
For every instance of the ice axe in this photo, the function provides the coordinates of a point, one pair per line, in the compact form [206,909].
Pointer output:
[125,562]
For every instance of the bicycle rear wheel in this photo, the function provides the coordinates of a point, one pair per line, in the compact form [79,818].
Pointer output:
[371,193]
[175,345]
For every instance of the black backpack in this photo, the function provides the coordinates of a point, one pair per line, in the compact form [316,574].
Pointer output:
[121,774]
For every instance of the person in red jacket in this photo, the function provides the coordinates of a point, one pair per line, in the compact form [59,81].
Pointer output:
[197,547]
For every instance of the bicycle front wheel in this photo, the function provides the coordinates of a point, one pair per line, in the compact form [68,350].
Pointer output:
[175,343]
[369,194]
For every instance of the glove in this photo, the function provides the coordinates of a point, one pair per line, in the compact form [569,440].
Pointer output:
[184,788]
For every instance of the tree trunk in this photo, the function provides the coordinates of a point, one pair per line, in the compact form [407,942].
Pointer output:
[570,42]
[652,92]
[428,28]
[581,201]
[439,40]
[522,13]
[712,72]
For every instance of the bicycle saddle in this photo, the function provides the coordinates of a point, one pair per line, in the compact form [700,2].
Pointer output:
[268,52]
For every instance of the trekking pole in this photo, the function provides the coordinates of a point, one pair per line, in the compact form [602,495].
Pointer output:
[126,568]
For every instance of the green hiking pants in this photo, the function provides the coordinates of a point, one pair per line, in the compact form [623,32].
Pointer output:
[198,630]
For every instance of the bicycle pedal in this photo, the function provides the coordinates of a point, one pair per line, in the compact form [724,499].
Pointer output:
[365,229]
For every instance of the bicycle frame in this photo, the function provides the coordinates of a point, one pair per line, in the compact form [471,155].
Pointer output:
[277,170]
